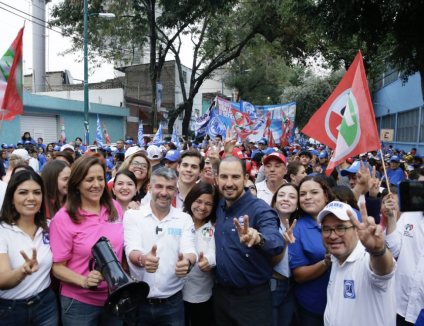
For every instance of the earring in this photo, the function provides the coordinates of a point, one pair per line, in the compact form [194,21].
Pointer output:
[77,191]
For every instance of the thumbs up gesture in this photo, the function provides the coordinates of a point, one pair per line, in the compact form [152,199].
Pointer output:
[150,261]
[181,269]
[203,263]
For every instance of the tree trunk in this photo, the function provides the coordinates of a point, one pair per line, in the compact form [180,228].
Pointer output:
[153,67]
[188,109]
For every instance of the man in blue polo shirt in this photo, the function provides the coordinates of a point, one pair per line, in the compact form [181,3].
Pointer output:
[119,147]
[246,236]
[395,173]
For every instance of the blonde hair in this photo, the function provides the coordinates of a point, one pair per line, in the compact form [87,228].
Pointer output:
[15,160]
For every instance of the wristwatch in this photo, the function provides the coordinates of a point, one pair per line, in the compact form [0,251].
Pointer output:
[261,242]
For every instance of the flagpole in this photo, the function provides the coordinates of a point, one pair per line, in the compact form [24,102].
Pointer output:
[385,172]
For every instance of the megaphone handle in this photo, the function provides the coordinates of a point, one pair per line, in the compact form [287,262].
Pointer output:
[90,268]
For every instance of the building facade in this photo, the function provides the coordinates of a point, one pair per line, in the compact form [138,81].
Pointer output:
[399,106]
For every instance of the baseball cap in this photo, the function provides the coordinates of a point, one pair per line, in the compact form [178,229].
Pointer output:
[128,142]
[323,154]
[352,169]
[339,209]
[20,142]
[269,150]
[56,148]
[172,155]
[108,149]
[305,153]
[262,142]
[237,152]
[4,146]
[67,146]
[153,152]
[27,142]
[12,146]
[132,150]
[295,151]
[394,159]
[274,156]
[362,155]
[410,168]
[22,153]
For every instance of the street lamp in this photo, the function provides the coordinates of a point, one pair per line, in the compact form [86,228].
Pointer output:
[86,103]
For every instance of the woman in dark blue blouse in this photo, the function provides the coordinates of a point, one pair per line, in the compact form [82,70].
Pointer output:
[309,262]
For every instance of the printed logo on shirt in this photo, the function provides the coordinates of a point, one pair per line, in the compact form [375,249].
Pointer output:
[349,289]
[241,220]
[408,229]
[46,238]
[175,232]
[207,233]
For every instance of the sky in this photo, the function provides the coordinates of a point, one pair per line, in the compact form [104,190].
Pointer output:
[11,23]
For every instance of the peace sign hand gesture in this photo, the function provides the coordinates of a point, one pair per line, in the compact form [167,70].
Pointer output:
[370,234]
[248,236]
[31,265]
[230,141]
[288,233]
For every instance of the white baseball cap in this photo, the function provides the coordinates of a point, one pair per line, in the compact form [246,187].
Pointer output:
[67,146]
[132,150]
[154,152]
[337,208]
[22,153]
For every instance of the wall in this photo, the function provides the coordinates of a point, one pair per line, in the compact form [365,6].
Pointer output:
[396,98]
[113,97]
[73,113]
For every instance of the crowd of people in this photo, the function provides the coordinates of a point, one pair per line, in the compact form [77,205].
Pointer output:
[224,233]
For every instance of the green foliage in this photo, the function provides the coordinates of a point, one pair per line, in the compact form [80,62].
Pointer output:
[310,93]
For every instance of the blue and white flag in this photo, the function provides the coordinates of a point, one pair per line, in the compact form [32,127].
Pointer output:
[174,138]
[199,125]
[158,136]
[140,135]
[248,108]
[99,138]
[215,126]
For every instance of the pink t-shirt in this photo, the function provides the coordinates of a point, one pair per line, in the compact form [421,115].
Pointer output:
[73,242]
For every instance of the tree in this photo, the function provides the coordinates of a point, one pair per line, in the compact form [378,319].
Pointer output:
[389,33]
[310,92]
[259,74]
[221,38]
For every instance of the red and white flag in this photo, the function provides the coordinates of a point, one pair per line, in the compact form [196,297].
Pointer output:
[11,80]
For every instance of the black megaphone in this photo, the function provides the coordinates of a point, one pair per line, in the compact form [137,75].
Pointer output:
[125,294]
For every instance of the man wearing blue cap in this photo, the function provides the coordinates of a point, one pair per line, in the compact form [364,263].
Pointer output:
[171,159]
[128,144]
[395,173]
[323,161]
[20,144]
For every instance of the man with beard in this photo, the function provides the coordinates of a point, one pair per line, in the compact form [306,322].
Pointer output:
[244,245]
[160,247]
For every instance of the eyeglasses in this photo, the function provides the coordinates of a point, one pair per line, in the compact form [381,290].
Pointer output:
[139,165]
[340,231]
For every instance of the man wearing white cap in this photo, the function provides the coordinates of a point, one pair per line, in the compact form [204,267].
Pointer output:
[154,154]
[361,289]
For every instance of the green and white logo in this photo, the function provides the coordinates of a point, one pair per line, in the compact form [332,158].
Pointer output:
[350,129]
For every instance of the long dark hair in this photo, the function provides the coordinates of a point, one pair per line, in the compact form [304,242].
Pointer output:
[23,136]
[50,177]
[293,215]
[73,201]
[329,195]
[130,175]
[344,194]
[9,214]
[199,189]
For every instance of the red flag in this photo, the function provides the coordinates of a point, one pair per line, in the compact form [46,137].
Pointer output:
[242,123]
[106,134]
[286,127]
[324,124]
[268,123]
[357,131]
[12,103]
[271,141]
[62,132]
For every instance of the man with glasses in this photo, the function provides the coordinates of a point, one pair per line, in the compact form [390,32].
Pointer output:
[361,290]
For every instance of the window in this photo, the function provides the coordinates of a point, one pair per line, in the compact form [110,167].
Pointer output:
[422,126]
[196,113]
[185,76]
[388,122]
[407,126]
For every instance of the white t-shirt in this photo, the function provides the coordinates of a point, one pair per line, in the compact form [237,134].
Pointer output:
[12,241]
[198,286]
[33,162]
[263,192]
[282,267]
[3,187]
[173,234]
[358,296]
[407,243]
